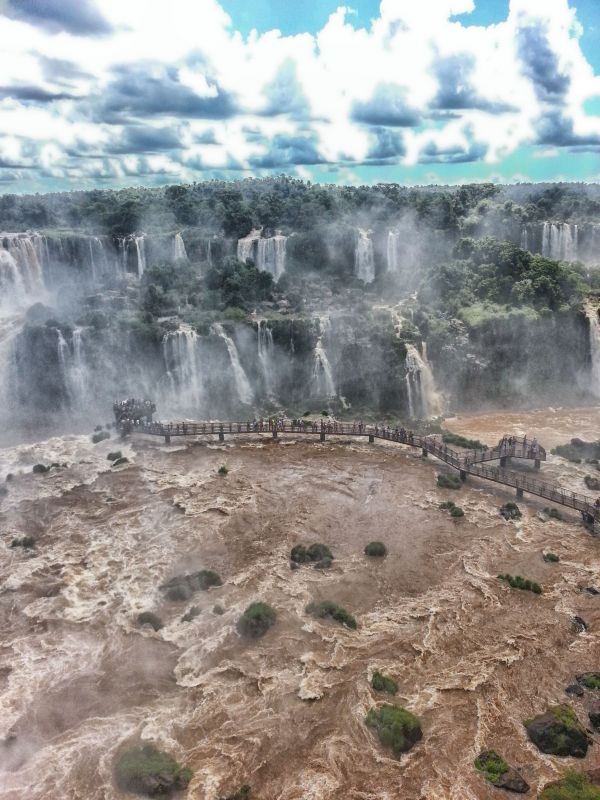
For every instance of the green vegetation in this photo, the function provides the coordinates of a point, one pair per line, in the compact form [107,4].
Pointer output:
[148,771]
[298,554]
[551,558]
[218,610]
[558,732]
[381,683]
[115,456]
[455,511]
[256,620]
[319,554]
[223,470]
[376,549]
[182,587]
[592,483]
[329,609]
[457,440]
[491,765]
[591,680]
[100,436]
[27,542]
[573,786]
[517,582]
[578,450]
[554,513]
[243,793]
[448,481]
[396,727]
[40,469]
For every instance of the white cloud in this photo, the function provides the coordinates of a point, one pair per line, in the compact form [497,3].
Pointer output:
[199,96]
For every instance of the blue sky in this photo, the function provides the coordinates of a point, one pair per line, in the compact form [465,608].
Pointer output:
[114,93]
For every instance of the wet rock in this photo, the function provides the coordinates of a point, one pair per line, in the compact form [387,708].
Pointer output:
[120,461]
[590,680]
[218,610]
[579,625]
[551,558]
[594,716]
[243,793]
[40,469]
[558,732]
[27,542]
[499,773]
[510,511]
[191,614]
[147,771]
[574,690]
[592,483]
[149,618]
[542,517]
[591,590]
[294,565]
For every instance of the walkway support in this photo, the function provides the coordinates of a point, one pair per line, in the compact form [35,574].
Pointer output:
[371,438]
[519,493]
[274,433]
[537,464]
[167,438]
[425,453]
[463,475]
[221,436]
[322,437]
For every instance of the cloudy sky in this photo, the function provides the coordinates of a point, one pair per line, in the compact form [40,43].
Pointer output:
[124,92]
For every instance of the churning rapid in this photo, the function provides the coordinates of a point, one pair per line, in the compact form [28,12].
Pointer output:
[284,714]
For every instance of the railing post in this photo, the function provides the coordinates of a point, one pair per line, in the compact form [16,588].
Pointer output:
[167,438]
[519,493]
[503,460]
[537,464]
[322,437]
[463,475]
[425,453]
[371,438]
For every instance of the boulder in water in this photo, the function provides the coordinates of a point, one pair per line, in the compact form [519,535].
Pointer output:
[592,483]
[243,793]
[558,732]
[510,511]
[193,612]
[148,771]
[182,587]
[495,770]
[149,618]
[579,625]
[594,716]
[574,690]
[573,786]
[590,680]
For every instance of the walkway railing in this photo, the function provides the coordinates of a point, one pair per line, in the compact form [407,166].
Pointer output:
[466,462]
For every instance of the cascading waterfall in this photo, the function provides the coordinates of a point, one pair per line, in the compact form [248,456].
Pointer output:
[364,260]
[393,261]
[266,350]
[183,362]
[179,251]
[21,274]
[524,238]
[424,400]
[73,369]
[246,248]
[242,384]
[140,246]
[10,327]
[593,312]
[271,255]
[322,383]
[560,241]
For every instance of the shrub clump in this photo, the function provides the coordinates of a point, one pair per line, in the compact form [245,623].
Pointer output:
[318,554]
[223,470]
[27,542]
[551,558]
[461,441]
[40,469]
[243,793]
[491,765]
[376,549]
[100,436]
[329,609]
[381,683]
[592,483]
[591,680]
[182,587]
[517,582]
[554,513]
[114,455]
[558,732]
[256,620]
[457,512]
[448,481]
[573,786]
[396,727]
[148,771]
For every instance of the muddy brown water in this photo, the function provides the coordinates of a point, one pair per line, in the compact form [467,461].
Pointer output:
[473,658]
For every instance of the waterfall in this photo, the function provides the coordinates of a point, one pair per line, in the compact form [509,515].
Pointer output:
[183,363]
[21,275]
[209,252]
[179,251]
[73,370]
[524,238]
[242,383]
[364,262]
[424,400]
[271,255]
[322,383]
[560,241]
[246,248]
[265,355]
[593,312]
[392,251]
[140,246]
[10,327]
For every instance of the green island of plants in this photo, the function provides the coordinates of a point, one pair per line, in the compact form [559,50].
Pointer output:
[148,771]
[491,765]
[461,441]
[591,680]
[381,683]
[517,582]
[318,554]
[329,609]
[396,727]
[223,470]
[558,732]
[448,481]
[554,513]
[376,549]
[573,786]
[256,620]
[182,587]
[454,510]
[551,558]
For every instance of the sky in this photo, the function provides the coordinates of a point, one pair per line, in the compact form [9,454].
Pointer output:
[112,93]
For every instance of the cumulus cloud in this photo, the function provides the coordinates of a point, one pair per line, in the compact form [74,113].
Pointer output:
[106,90]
